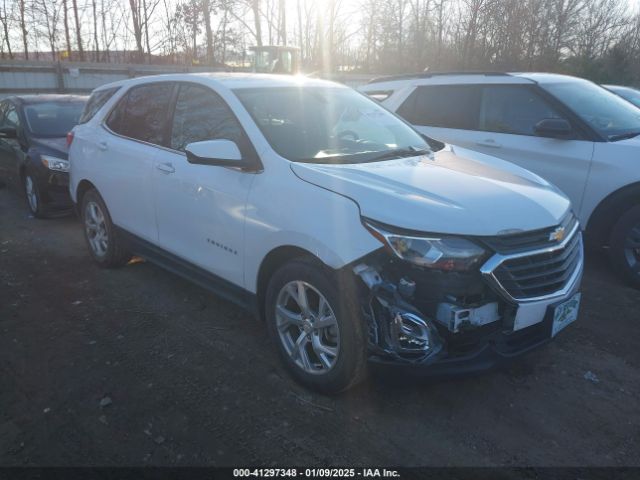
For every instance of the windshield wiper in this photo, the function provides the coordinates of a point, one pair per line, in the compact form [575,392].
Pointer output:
[398,153]
[362,157]
[623,136]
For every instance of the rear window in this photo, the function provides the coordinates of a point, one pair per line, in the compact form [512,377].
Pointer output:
[52,119]
[445,106]
[95,103]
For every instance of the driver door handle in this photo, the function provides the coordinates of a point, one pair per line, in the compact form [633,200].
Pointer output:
[489,142]
[165,167]
[102,146]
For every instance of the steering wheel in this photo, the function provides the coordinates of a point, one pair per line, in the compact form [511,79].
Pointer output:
[600,122]
[604,122]
[348,133]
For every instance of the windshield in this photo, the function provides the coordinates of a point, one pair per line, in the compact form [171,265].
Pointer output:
[608,114]
[53,119]
[328,124]
[629,94]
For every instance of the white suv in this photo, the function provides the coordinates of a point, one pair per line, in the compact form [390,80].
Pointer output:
[329,217]
[574,133]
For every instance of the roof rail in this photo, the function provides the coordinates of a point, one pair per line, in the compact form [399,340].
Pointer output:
[407,76]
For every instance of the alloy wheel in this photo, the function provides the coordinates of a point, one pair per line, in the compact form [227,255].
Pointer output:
[31,192]
[307,327]
[632,249]
[96,229]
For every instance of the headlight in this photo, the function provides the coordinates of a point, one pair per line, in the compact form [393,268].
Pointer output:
[55,163]
[441,252]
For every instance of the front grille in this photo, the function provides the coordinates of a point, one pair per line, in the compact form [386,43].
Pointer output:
[541,274]
[521,242]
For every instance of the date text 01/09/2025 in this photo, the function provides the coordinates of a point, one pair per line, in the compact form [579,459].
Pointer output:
[316,472]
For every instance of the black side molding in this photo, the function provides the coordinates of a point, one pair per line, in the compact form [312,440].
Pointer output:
[221,287]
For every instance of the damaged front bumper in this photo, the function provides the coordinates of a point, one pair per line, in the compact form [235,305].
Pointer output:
[470,322]
[492,350]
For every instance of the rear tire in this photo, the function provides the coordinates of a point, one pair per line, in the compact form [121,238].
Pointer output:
[322,345]
[105,246]
[624,246]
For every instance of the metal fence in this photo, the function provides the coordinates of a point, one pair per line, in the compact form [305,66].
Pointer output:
[19,77]
[72,77]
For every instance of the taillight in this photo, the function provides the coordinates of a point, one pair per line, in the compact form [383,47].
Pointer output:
[69,138]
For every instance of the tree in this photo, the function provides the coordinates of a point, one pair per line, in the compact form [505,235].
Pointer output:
[206,13]
[255,5]
[76,16]
[65,17]
[188,15]
[5,19]
[22,8]
[47,12]
[136,21]
[282,22]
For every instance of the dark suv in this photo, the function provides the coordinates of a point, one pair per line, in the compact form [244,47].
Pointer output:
[33,147]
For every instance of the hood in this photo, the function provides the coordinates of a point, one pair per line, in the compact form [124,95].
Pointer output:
[453,191]
[54,145]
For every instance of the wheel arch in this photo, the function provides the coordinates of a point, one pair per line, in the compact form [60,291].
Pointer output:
[23,165]
[83,187]
[608,211]
[271,262]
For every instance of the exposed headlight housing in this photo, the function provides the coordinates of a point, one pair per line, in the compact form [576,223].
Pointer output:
[447,253]
[55,163]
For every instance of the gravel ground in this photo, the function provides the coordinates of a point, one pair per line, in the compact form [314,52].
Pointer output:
[139,367]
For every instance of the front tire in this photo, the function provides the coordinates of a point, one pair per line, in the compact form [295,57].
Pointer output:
[314,319]
[32,195]
[104,244]
[624,246]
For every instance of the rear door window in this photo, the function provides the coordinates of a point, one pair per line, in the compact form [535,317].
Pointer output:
[95,103]
[444,106]
[142,113]
[514,109]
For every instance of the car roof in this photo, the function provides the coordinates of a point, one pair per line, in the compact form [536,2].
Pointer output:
[620,87]
[230,80]
[46,98]
[542,77]
[446,78]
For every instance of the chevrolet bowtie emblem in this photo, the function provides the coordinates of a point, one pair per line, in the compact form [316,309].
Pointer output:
[557,235]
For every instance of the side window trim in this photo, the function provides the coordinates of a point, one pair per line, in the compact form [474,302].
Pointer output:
[167,122]
[586,132]
[531,88]
[415,101]
[250,149]
[111,92]
[407,108]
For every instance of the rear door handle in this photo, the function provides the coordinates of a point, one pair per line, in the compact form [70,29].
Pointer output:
[488,143]
[102,146]
[165,167]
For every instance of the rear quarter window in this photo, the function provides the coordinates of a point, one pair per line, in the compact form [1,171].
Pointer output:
[95,103]
[445,106]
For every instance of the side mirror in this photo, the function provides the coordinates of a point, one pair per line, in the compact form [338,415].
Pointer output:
[8,132]
[222,153]
[553,128]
